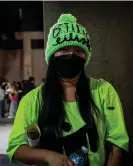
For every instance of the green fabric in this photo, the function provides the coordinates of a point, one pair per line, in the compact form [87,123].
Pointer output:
[67,32]
[110,126]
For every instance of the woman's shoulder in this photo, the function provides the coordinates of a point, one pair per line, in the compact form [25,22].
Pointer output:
[99,84]
[33,94]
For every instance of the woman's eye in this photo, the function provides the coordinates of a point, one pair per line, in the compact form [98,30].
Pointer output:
[79,51]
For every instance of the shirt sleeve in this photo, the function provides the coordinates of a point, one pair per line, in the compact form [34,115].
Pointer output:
[18,135]
[116,132]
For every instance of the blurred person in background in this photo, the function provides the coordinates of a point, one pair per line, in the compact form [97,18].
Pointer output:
[29,85]
[23,83]
[8,87]
[2,80]
[71,109]
[2,100]
[20,90]
[8,90]
[14,98]
[43,80]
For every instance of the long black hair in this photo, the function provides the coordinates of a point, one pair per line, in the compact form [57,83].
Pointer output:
[52,113]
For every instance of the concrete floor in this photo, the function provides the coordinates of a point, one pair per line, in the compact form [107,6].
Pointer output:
[4,133]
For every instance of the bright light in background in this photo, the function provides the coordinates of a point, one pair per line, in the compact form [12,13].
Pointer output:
[20,13]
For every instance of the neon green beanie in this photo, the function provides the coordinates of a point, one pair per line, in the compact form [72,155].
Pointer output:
[67,32]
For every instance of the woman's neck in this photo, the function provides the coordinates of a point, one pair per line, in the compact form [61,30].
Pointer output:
[69,87]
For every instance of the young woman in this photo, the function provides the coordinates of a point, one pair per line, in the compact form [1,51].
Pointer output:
[71,110]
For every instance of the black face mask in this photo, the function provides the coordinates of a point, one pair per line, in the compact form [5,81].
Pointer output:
[69,65]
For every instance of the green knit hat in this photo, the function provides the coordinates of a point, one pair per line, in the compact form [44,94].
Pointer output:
[67,32]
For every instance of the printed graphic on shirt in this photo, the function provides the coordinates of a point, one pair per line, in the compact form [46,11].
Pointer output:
[33,133]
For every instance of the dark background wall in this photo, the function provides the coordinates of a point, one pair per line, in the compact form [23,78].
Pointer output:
[19,17]
[110,25]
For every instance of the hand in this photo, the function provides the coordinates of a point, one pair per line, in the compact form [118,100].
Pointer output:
[57,159]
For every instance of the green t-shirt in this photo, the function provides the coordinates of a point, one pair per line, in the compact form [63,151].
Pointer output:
[111,126]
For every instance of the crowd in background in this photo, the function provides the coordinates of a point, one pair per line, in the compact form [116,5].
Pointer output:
[11,93]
